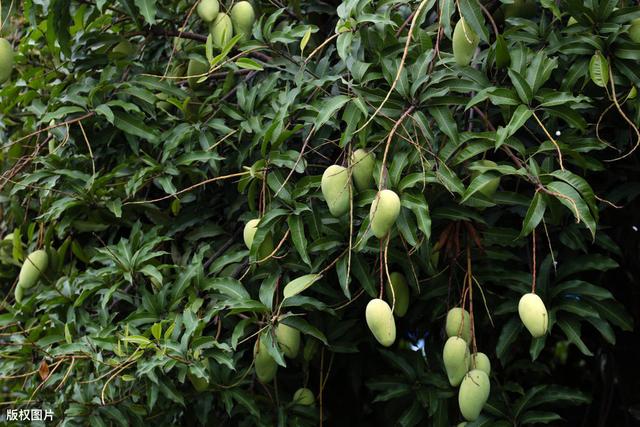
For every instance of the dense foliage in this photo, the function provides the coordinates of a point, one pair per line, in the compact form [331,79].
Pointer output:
[136,146]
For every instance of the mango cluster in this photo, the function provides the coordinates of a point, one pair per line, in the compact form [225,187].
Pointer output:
[222,26]
[469,371]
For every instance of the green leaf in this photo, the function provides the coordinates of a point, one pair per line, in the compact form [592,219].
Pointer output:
[249,64]
[522,87]
[599,70]
[510,332]
[518,119]
[148,9]
[569,197]
[534,214]
[329,108]
[296,226]
[227,286]
[299,284]
[473,15]
[571,329]
[59,21]
[133,125]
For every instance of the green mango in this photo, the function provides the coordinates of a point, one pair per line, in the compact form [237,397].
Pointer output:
[455,356]
[380,321]
[384,212]
[289,340]
[243,17]
[221,30]
[310,349]
[458,323]
[208,10]
[266,248]
[490,188]
[304,397]
[401,292]
[266,366]
[520,9]
[634,30]
[6,60]
[123,49]
[18,293]
[473,394]
[195,71]
[34,265]
[362,164]
[480,361]
[335,186]
[465,42]
[200,384]
[533,314]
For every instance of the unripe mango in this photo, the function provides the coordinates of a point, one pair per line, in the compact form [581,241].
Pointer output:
[458,323]
[634,30]
[221,30]
[480,361]
[335,185]
[35,264]
[266,366]
[18,293]
[362,164]
[289,340]
[384,212]
[304,396]
[123,49]
[455,356]
[533,314]
[6,60]
[243,17]
[380,321]
[401,293]
[490,188]
[465,42]
[520,9]
[208,10]
[266,248]
[310,349]
[473,394]
[196,70]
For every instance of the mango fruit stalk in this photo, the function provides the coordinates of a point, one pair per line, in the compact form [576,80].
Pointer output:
[473,394]
[533,314]
[381,322]
[455,356]
[384,212]
[335,186]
